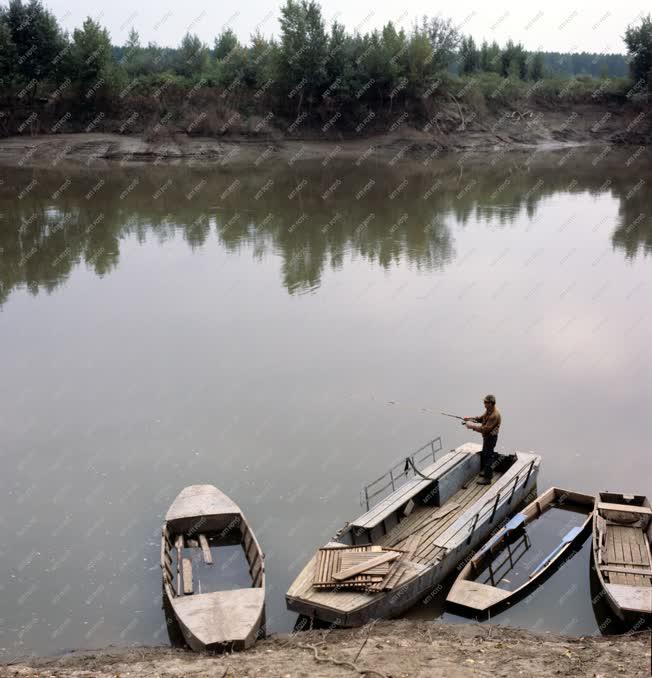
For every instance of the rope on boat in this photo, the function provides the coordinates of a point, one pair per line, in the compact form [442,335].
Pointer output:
[410,462]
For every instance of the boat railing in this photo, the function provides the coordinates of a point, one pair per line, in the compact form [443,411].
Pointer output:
[399,474]
[490,507]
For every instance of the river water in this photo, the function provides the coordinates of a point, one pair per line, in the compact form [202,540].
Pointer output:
[286,332]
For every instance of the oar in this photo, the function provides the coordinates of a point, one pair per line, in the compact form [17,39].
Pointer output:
[568,538]
[514,523]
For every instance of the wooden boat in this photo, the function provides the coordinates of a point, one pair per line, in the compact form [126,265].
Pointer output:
[383,562]
[200,521]
[479,596]
[622,528]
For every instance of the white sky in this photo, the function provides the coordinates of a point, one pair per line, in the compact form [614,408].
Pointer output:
[552,25]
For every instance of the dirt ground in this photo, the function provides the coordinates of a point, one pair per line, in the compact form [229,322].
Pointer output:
[499,131]
[397,649]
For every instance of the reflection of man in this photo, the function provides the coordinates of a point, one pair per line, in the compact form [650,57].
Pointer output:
[489,424]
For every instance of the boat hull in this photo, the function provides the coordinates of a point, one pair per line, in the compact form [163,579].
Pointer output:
[216,620]
[631,603]
[469,595]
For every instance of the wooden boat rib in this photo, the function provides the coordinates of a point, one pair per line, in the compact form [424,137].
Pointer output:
[482,597]
[434,522]
[201,515]
[622,529]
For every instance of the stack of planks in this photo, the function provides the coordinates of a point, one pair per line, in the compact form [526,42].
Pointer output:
[364,568]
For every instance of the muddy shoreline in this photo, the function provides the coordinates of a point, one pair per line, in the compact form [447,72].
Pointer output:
[498,132]
[394,648]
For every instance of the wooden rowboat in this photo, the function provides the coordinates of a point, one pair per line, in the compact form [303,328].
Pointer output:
[201,521]
[622,528]
[405,545]
[482,584]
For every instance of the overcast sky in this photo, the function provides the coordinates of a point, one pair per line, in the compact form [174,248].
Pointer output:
[554,25]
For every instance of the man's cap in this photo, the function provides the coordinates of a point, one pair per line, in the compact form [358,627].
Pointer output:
[490,399]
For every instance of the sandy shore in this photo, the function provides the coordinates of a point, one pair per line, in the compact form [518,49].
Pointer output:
[398,649]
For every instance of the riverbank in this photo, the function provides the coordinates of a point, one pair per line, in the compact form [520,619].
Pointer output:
[453,128]
[397,648]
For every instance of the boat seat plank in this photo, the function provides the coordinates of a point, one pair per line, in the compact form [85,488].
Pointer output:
[221,616]
[475,595]
[627,570]
[187,576]
[205,549]
[631,598]
[410,489]
[625,508]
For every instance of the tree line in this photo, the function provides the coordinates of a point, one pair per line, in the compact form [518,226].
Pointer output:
[308,66]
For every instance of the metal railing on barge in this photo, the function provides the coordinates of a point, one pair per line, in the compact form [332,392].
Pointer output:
[399,474]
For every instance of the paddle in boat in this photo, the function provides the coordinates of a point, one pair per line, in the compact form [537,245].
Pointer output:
[622,528]
[508,565]
[213,571]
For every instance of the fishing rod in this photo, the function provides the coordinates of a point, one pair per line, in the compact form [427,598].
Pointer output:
[455,416]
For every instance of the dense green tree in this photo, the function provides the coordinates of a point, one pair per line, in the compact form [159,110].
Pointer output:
[419,68]
[225,43]
[258,63]
[7,53]
[192,57]
[337,57]
[490,61]
[444,40]
[536,67]
[90,63]
[38,41]
[513,61]
[303,49]
[469,56]
[639,46]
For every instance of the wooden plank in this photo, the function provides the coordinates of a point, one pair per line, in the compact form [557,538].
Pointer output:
[634,598]
[205,549]
[178,542]
[625,508]
[411,546]
[258,566]
[350,559]
[627,552]
[618,553]
[646,572]
[187,576]
[357,569]
[621,562]
[476,596]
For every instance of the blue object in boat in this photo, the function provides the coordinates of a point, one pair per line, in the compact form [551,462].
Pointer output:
[513,524]
[568,537]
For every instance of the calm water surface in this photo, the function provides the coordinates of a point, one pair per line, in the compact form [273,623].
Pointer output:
[288,341]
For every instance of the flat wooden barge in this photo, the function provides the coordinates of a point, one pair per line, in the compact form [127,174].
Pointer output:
[423,529]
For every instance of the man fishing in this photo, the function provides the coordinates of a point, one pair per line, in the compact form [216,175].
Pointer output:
[488,424]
